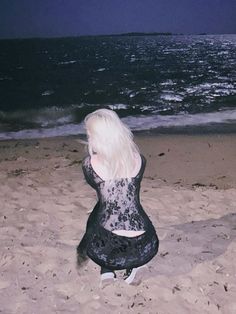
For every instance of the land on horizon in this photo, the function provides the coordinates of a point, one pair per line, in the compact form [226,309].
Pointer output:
[129,34]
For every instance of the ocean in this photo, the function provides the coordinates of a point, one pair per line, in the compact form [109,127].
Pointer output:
[155,83]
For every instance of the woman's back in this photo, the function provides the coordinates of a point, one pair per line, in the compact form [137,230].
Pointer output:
[120,210]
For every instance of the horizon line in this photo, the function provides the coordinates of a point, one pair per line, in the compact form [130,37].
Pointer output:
[116,35]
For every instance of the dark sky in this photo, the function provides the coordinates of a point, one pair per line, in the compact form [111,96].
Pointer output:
[49,18]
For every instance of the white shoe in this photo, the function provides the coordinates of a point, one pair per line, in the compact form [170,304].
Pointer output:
[108,275]
[107,279]
[134,276]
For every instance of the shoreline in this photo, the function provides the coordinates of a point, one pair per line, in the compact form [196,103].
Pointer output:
[192,130]
[209,123]
[198,130]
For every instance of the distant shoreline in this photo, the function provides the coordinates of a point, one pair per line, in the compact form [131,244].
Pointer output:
[130,34]
[136,34]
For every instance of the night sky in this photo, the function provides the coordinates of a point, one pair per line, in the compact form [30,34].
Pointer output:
[53,18]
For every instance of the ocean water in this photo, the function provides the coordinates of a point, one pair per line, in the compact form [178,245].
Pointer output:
[161,83]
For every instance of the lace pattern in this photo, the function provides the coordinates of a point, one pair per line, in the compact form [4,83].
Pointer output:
[120,207]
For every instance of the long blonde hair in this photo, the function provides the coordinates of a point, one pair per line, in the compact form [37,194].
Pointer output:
[113,141]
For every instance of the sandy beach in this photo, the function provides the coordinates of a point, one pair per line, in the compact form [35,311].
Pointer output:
[189,192]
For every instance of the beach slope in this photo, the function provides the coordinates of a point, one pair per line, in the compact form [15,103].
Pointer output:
[189,192]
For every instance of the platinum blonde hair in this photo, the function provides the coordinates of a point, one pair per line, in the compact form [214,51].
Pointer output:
[112,141]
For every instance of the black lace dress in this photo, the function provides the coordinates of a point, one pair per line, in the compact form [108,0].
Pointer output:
[118,208]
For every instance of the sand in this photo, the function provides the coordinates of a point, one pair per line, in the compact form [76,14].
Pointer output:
[189,192]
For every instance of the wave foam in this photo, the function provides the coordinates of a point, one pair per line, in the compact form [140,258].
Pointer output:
[142,123]
[136,123]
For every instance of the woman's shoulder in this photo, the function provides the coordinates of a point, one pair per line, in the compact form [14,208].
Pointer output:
[140,161]
[86,161]
[143,158]
[86,158]
[143,161]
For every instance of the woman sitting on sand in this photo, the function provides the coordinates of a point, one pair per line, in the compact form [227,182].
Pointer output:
[119,235]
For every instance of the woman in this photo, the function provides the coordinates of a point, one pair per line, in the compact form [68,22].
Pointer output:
[119,235]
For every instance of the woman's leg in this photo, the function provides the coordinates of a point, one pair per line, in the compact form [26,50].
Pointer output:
[82,247]
[107,273]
